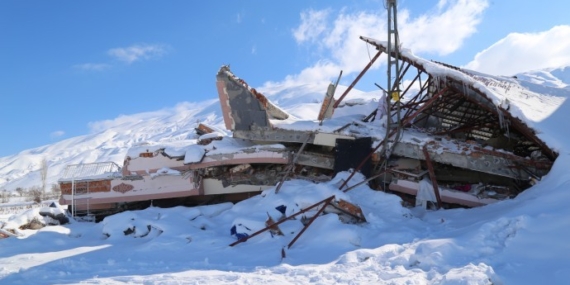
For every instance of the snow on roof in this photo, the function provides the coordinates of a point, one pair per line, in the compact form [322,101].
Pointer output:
[90,170]
[172,149]
[210,136]
[233,145]
[505,93]
[194,153]
[348,114]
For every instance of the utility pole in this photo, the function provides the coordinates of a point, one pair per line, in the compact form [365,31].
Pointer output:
[393,75]
[393,129]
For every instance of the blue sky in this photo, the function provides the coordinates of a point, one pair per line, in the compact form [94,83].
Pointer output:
[68,64]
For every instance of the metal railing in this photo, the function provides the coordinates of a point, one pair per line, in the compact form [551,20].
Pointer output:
[87,171]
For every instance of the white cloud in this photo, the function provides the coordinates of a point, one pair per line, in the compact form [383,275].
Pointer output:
[238,18]
[57,134]
[138,52]
[318,71]
[313,24]
[441,30]
[523,52]
[93,66]
[254,49]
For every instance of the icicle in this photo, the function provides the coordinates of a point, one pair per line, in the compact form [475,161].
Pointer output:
[502,122]
[436,82]
[507,131]
[501,118]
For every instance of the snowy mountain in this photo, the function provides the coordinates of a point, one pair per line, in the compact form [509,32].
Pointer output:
[515,241]
[551,77]
[109,140]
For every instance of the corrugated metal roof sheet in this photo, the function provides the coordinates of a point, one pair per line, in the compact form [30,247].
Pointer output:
[89,170]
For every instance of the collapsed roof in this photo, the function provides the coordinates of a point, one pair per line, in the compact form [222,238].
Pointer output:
[471,130]
[475,104]
[448,135]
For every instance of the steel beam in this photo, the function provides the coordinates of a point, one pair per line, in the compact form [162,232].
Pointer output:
[432,176]
[406,120]
[357,79]
[477,159]
[326,203]
[327,200]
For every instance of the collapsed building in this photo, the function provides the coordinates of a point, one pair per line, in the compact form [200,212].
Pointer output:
[446,135]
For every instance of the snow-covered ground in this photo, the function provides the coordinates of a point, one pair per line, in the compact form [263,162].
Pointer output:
[518,241]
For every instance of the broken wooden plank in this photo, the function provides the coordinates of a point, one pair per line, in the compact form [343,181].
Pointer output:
[349,209]
[203,129]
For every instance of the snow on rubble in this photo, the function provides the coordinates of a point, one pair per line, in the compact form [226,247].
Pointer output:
[516,241]
[183,245]
[503,243]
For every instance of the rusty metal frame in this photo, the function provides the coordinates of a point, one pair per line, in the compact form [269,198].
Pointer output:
[406,121]
[357,79]
[326,203]
[291,165]
[327,200]
[413,81]
[414,101]
[518,124]
[364,181]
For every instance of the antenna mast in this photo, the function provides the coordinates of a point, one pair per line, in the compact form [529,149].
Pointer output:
[393,77]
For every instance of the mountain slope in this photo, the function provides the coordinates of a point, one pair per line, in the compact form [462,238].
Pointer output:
[110,139]
[551,77]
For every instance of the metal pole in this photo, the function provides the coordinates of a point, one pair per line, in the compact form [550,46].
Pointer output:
[407,120]
[357,79]
[291,165]
[73,195]
[327,202]
[364,181]
[392,48]
[282,221]
[432,176]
